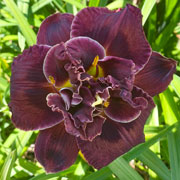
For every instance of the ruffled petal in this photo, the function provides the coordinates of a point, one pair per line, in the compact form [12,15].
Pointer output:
[54,64]
[85,49]
[121,111]
[55,149]
[120,32]
[115,139]
[56,102]
[55,29]
[126,106]
[119,68]
[156,75]
[95,128]
[29,89]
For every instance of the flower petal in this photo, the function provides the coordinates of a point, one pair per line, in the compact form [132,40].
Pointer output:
[119,68]
[85,49]
[55,149]
[95,128]
[114,31]
[156,75]
[29,89]
[54,64]
[115,140]
[121,111]
[125,106]
[55,29]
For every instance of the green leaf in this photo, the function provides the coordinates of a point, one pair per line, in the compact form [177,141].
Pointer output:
[4,23]
[7,167]
[21,41]
[136,151]
[39,4]
[22,22]
[75,3]
[176,84]
[154,163]
[146,9]
[102,174]
[122,170]
[103,3]
[170,109]
[115,4]
[174,153]
[45,176]
[168,29]
[94,3]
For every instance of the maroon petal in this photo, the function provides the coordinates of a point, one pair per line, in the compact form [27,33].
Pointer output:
[156,75]
[119,68]
[29,89]
[54,65]
[115,139]
[120,32]
[55,149]
[121,111]
[56,102]
[55,29]
[85,49]
[95,128]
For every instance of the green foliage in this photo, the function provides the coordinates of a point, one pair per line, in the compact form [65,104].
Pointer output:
[157,158]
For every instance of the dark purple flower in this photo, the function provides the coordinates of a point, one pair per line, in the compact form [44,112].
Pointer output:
[87,85]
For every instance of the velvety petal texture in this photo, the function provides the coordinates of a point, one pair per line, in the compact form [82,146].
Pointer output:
[113,30]
[85,49]
[121,69]
[29,89]
[87,86]
[55,149]
[156,75]
[54,63]
[116,138]
[55,29]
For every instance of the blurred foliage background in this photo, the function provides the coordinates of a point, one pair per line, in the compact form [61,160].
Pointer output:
[157,158]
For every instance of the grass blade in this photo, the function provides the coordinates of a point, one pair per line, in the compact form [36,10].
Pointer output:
[122,170]
[136,151]
[75,3]
[8,165]
[102,174]
[146,9]
[22,22]
[174,154]
[39,4]
[154,163]
[94,3]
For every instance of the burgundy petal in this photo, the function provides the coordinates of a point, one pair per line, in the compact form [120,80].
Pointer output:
[85,49]
[95,128]
[29,89]
[115,140]
[120,32]
[121,111]
[54,65]
[56,102]
[119,68]
[55,29]
[156,75]
[55,149]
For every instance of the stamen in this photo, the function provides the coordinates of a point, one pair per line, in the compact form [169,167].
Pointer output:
[96,59]
[99,101]
[52,80]
[106,104]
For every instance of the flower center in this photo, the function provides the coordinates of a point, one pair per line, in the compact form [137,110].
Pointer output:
[99,101]
[95,70]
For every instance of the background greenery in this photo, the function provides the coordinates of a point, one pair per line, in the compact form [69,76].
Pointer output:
[157,158]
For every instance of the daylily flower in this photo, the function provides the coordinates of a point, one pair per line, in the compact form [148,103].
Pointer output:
[87,85]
